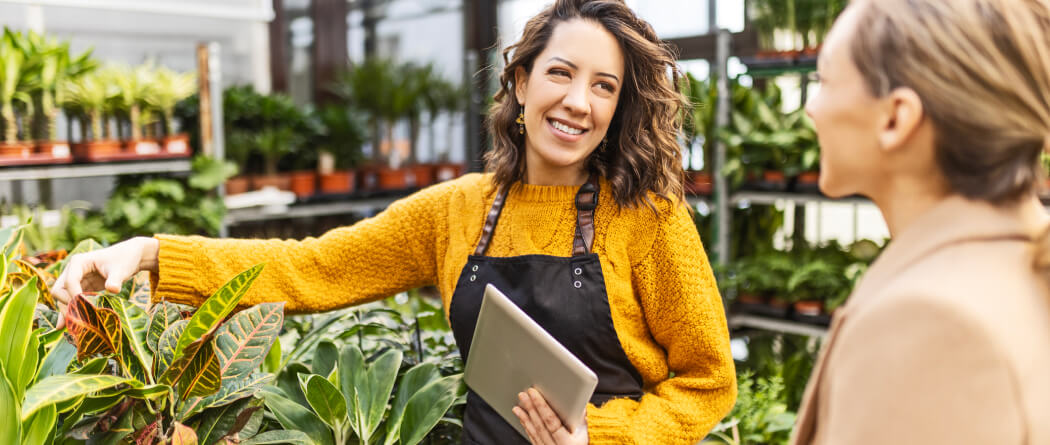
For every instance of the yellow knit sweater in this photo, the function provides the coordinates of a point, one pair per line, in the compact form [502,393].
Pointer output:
[665,306]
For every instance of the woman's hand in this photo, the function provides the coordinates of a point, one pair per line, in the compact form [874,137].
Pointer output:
[105,268]
[543,425]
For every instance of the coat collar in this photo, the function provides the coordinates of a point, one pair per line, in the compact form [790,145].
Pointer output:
[954,220]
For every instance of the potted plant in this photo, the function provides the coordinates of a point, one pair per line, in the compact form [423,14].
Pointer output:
[56,65]
[87,97]
[340,133]
[133,86]
[239,145]
[169,88]
[281,133]
[18,66]
[303,178]
[812,284]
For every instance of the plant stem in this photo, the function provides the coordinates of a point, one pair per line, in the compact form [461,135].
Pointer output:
[134,115]
[95,118]
[10,124]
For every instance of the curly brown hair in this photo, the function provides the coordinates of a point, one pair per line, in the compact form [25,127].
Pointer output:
[642,153]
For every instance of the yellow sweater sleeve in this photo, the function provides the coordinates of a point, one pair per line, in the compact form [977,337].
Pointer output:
[684,312]
[396,250]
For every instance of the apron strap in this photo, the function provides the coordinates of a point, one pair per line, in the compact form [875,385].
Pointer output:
[586,202]
[490,222]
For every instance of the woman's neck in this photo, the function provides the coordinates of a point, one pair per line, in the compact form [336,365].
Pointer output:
[902,201]
[563,176]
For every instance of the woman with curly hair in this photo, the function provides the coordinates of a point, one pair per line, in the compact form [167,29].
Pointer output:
[580,220]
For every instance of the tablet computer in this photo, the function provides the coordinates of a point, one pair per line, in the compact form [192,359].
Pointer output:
[510,353]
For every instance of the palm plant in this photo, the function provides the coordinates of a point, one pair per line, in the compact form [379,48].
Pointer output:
[169,88]
[88,96]
[56,65]
[19,65]
[134,84]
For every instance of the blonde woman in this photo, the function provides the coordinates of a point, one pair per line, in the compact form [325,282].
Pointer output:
[938,111]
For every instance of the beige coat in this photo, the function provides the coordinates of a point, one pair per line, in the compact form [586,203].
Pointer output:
[946,340]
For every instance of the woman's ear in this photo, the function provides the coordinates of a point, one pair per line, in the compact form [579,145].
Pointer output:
[902,116]
[521,80]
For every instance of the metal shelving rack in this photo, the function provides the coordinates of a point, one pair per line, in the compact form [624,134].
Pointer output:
[93,170]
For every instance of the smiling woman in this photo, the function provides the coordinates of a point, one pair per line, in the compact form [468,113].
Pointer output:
[580,222]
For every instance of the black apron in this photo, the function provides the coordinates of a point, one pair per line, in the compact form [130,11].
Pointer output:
[564,295]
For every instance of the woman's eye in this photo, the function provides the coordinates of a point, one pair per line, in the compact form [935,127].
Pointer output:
[607,87]
[558,72]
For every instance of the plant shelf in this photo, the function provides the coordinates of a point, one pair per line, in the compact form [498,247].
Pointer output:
[741,321]
[92,170]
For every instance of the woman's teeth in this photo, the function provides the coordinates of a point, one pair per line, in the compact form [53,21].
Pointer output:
[565,128]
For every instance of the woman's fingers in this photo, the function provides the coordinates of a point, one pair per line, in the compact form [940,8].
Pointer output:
[547,416]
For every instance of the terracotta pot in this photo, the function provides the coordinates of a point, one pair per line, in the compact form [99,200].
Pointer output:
[368,178]
[809,308]
[778,303]
[237,185]
[422,175]
[142,147]
[303,183]
[53,148]
[338,182]
[773,176]
[394,178]
[809,178]
[16,149]
[750,299]
[700,183]
[280,181]
[446,171]
[96,148]
[179,143]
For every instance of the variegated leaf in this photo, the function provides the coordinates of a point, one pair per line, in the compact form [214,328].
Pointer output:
[141,290]
[183,435]
[243,342]
[59,388]
[46,318]
[196,370]
[134,322]
[217,307]
[43,283]
[166,347]
[94,330]
[16,330]
[229,392]
[164,315]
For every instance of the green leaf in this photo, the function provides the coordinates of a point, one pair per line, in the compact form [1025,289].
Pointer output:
[229,392]
[272,363]
[367,388]
[291,415]
[134,322]
[216,423]
[166,347]
[325,399]
[60,388]
[426,408]
[95,330]
[164,315]
[85,246]
[57,360]
[217,307]
[40,426]
[10,425]
[288,382]
[16,324]
[280,437]
[242,342]
[93,366]
[141,288]
[324,358]
[411,382]
[29,365]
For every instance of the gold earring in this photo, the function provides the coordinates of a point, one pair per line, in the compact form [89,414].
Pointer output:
[521,121]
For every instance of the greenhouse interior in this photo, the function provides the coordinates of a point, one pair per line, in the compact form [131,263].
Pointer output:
[282,168]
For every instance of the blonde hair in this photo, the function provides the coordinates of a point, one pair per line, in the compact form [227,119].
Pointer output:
[982,70]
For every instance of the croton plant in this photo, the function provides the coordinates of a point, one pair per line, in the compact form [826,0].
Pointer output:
[124,370]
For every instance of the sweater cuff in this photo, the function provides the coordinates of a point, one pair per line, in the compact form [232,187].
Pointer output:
[608,424]
[176,271]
